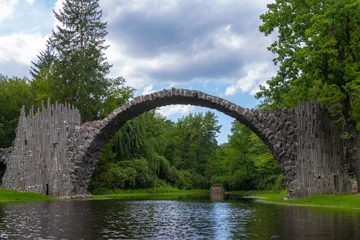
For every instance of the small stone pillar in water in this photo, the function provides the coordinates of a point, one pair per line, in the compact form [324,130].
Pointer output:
[216,193]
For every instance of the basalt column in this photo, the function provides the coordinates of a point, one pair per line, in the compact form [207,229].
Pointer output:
[321,165]
[38,161]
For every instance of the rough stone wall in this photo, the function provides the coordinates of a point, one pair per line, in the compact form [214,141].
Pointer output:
[38,161]
[322,165]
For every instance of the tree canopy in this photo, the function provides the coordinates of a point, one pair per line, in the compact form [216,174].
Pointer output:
[74,67]
[318,52]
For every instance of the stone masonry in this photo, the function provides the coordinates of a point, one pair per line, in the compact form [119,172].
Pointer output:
[304,142]
[38,161]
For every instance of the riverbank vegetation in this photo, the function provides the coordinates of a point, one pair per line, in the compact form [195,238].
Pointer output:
[349,200]
[13,196]
[150,193]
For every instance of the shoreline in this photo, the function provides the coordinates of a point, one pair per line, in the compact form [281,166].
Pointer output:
[349,201]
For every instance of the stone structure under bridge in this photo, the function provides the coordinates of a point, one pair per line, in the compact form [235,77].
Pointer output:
[53,154]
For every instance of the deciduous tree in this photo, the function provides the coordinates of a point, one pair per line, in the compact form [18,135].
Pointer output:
[318,52]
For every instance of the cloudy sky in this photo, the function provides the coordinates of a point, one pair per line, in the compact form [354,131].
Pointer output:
[212,46]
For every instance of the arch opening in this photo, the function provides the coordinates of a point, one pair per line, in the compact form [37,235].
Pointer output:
[189,154]
[2,171]
[274,128]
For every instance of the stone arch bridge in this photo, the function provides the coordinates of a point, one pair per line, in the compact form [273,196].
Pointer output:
[55,155]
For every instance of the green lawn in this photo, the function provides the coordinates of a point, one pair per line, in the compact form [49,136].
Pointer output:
[350,200]
[12,195]
[146,192]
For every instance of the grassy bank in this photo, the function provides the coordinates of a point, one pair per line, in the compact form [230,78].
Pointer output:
[350,200]
[143,193]
[12,196]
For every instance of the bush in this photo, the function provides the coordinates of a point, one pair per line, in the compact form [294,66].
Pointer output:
[271,182]
[242,181]
[143,177]
[279,183]
[183,180]
[224,181]
[199,181]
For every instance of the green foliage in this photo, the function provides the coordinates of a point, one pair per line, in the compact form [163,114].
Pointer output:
[184,154]
[45,61]
[14,93]
[317,51]
[73,68]
[183,180]
[144,176]
[246,162]
[192,142]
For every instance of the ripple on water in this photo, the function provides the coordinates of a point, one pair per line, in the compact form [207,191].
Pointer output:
[155,219]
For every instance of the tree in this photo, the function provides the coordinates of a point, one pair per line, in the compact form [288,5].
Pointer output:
[74,64]
[246,161]
[139,140]
[193,141]
[318,52]
[45,60]
[14,93]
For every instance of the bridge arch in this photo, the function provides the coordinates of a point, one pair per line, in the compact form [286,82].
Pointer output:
[275,128]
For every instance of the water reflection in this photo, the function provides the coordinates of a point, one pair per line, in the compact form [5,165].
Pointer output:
[173,219]
[300,223]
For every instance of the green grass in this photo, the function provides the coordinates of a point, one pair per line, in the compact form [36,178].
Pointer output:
[12,195]
[350,200]
[146,192]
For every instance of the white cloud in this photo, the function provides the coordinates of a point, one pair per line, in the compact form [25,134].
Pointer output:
[231,90]
[226,38]
[256,74]
[211,51]
[151,42]
[176,110]
[30,2]
[147,90]
[21,47]
[7,9]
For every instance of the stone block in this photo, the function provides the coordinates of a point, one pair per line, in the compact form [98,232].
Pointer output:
[283,117]
[277,112]
[293,124]
[273,127]
[249,116]
[291,131]
[272,139]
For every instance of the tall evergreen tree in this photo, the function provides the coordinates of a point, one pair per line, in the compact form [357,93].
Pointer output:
[78,73]
[80,47]
[45,59]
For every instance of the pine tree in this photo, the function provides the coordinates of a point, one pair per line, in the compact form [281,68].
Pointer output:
[45,59]
[82,65]
[78,73]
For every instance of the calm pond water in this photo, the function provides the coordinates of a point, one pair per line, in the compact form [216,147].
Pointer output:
[184,218]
